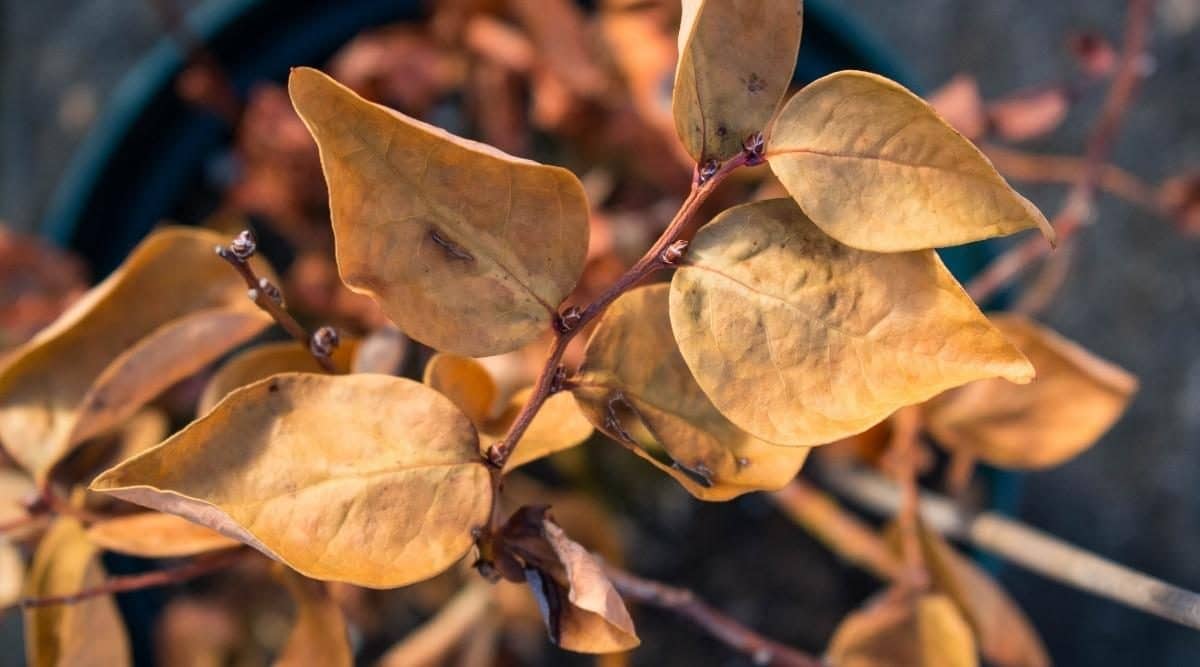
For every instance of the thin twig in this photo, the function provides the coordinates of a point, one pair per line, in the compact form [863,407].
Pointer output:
[1027,547]
[136,582]
[761,650]
[1077,210]
[902,458]
[267,296]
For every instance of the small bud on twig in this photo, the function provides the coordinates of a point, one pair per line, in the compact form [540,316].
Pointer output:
[707,171]
[568,319]
[674,252]
[754,145]
[559,381]
[324,341]
[270,290]
[243,245]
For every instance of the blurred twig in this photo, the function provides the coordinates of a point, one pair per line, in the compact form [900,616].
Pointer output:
[1023,545]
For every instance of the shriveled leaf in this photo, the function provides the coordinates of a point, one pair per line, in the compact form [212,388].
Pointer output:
[927,632]
[465,248]
[558,425]
[367,479]
[465,382]
[801,340]
[736,59]
[876,168]
[1005,636]
[12,573]
[168,310]
[1074,400]
[266,360]
[83,634]
[156,535]
[319,635]
[633,374]
[579,605]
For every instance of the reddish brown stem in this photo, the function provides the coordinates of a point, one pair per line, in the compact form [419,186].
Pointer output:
[760,650]
[265,295]
[174,575]
[1077,210]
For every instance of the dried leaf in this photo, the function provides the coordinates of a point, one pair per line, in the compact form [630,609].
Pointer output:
[319,635]
[83,634]
[488,244]
[430,644]
[1076,398]
[306,468]
[171,308]
[1005,636]
[558,425]
[801,340]
[263,361]
[876,168]
[927,632]
[736,59]
[1030,114]
[156,535]
[633,374]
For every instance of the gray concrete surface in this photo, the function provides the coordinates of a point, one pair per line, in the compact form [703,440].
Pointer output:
[1134,294]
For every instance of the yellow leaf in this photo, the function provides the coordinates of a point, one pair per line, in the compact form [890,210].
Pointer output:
[926,632]
[319,635]
[156,535]
[368,479]
[171,308]
[1075,399]
[633,374]
[465,248]
[1006,637]
[558,425]
[266,360]
[801,340]
[596,620]
[876,168]
[736,59]
[84,634]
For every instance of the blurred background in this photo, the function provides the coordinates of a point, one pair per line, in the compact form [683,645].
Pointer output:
[1132,294]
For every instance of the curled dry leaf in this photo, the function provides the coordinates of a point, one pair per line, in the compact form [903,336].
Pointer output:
[736,59]
[156,535]
[269,359]
[171,308]
[876,168]
[926,632]
[580,607]
[558,425]
[633,376]
[309,469]
[1005,636]
[465,248]
[319,635]
[88,633]
[801,340]
[1075,399]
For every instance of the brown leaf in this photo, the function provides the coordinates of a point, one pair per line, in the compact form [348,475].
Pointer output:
[736,60]
[926,632]
[319,635]
[156,535]
[306,468]
[876,168]
[1075,399]
[801,340]
[83,634]
[171,308]
[263,361]
[558,425]
[489,244]
[633,375]
[580,607]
